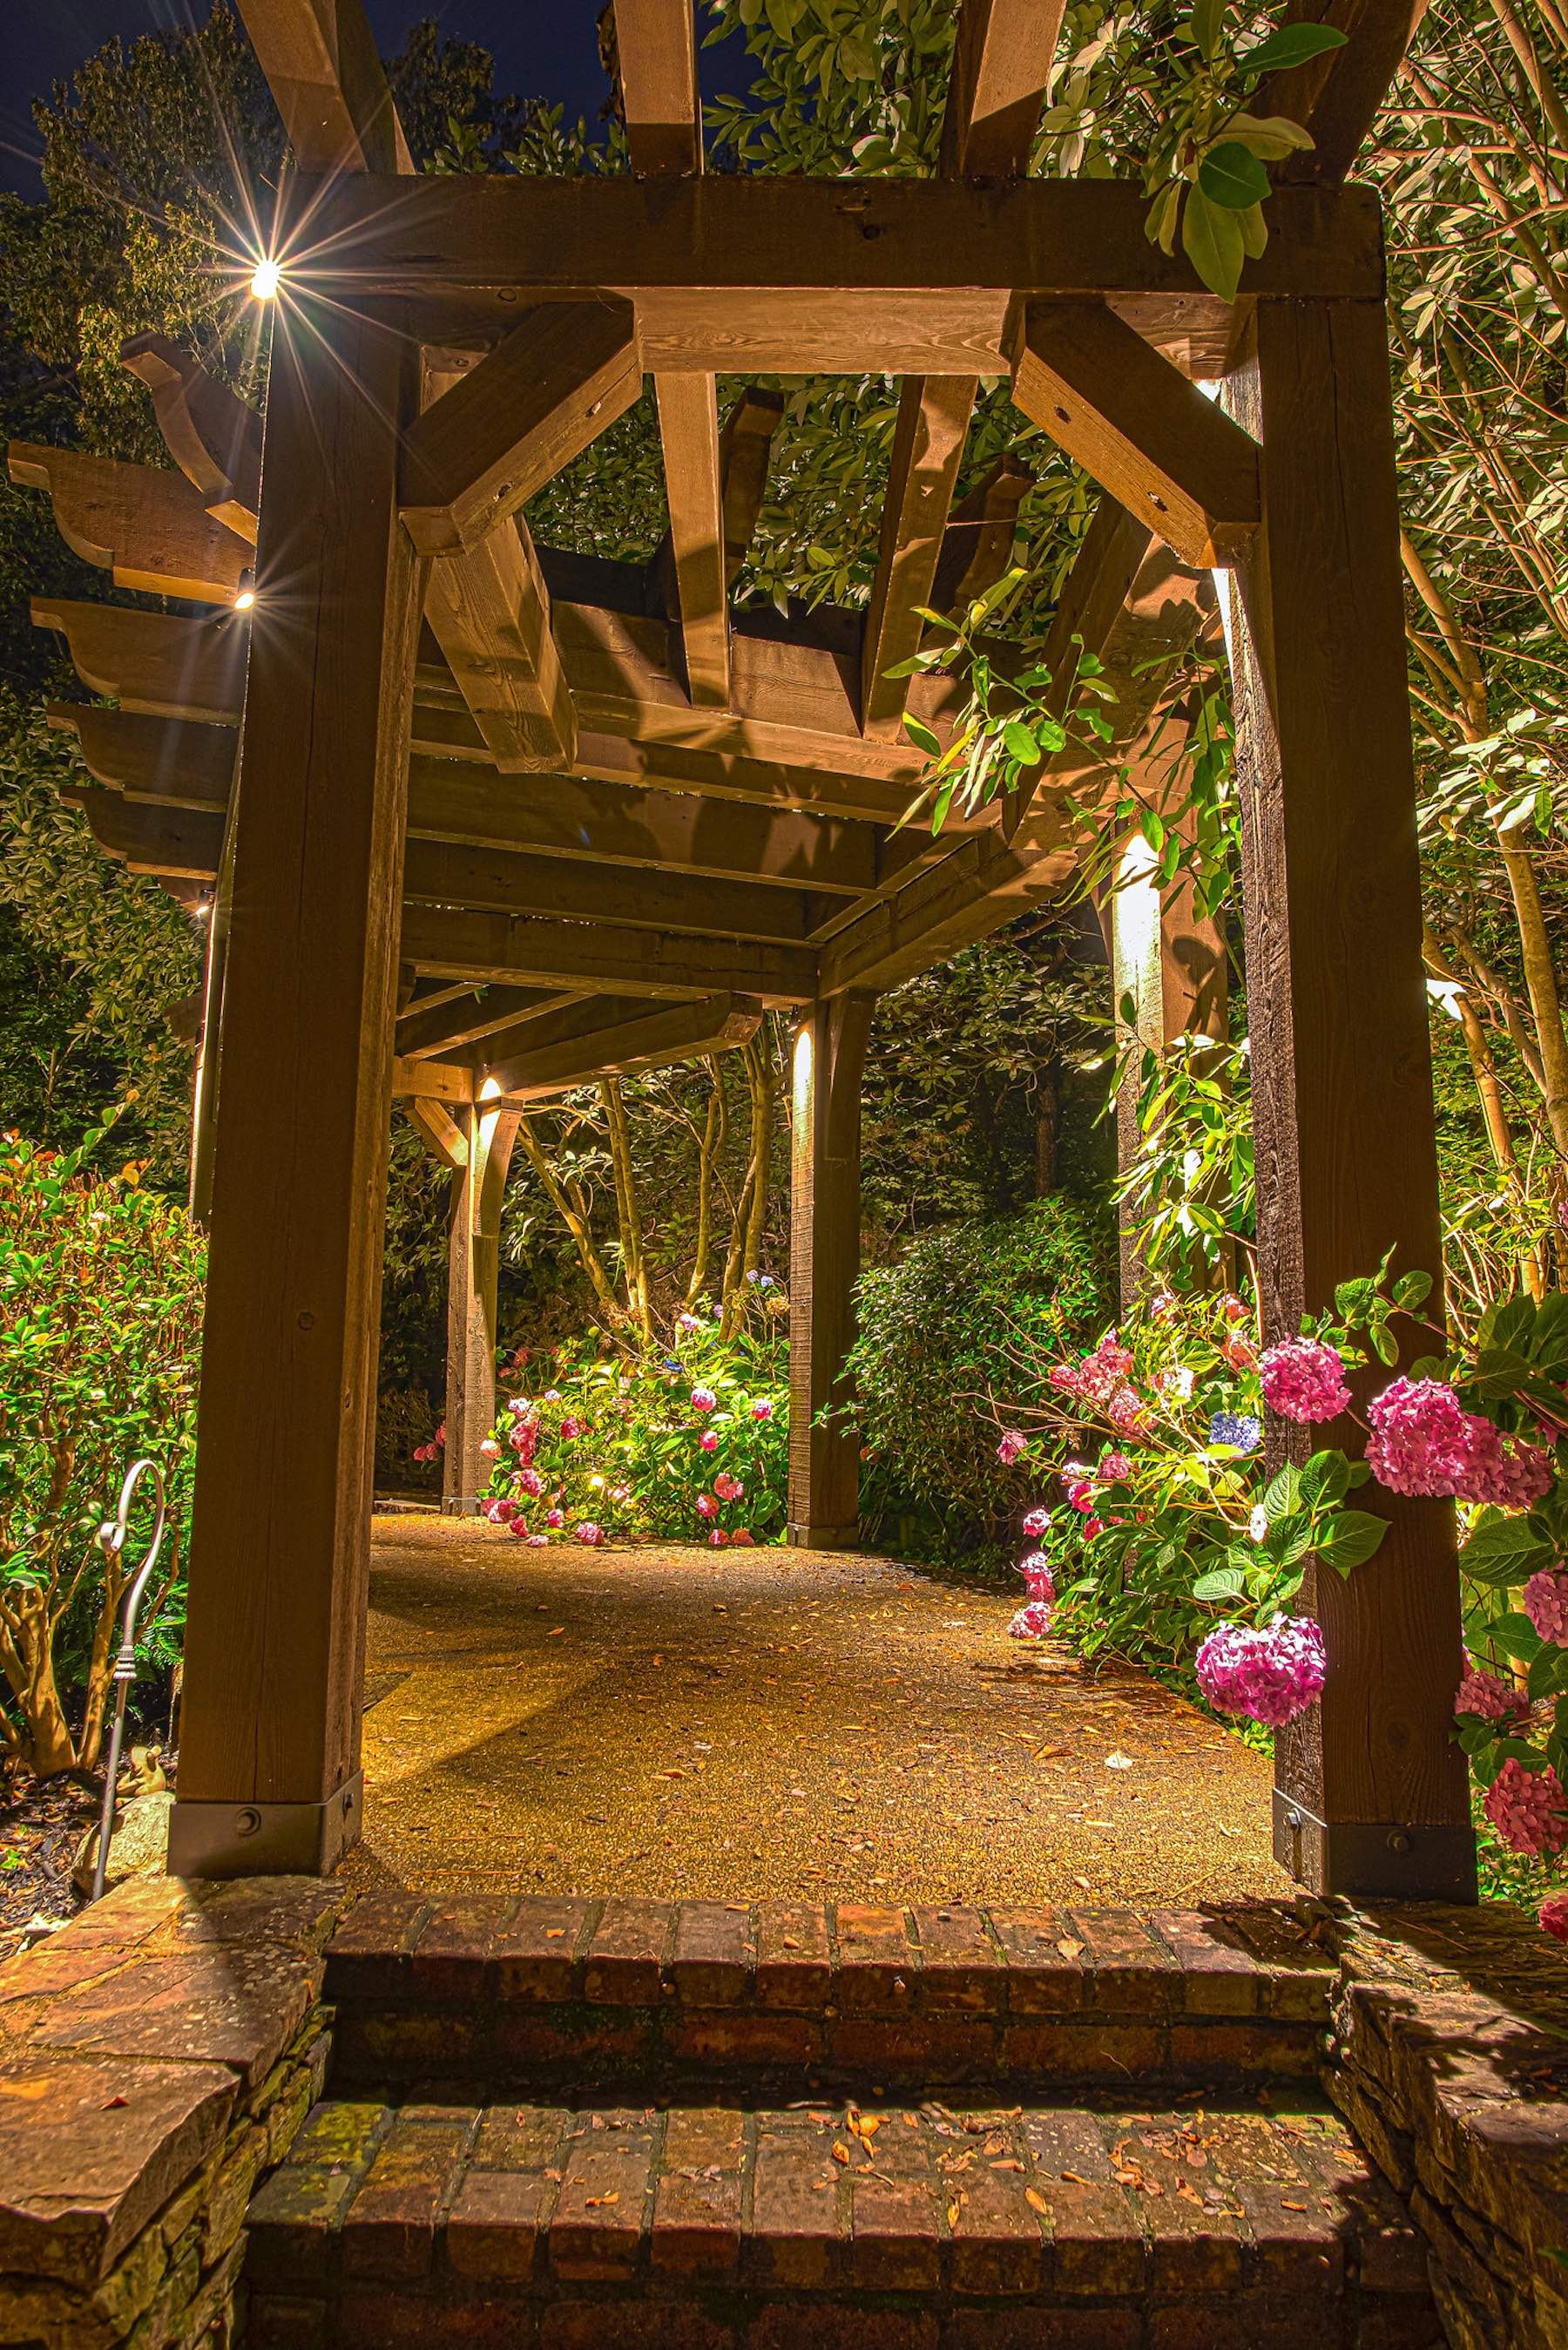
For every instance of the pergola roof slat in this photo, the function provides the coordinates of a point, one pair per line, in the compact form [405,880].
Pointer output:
[450,942]
[1001,65]
[145,525]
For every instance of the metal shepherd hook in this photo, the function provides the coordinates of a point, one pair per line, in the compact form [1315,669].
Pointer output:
[111,1540]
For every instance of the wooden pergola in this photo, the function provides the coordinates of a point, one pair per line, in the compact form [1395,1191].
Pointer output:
[479,820]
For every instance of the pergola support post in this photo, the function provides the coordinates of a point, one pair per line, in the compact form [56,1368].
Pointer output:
[269,1777]
[828,1057]
[1371,1795]
[473,1263]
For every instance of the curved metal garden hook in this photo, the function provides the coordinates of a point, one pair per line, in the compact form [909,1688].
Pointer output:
[111,1541]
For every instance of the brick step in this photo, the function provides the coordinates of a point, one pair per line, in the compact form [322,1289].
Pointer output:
[725,2226]
[582,1993]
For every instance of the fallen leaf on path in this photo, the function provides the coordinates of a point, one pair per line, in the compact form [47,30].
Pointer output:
[1036,2201]
[1119,1762]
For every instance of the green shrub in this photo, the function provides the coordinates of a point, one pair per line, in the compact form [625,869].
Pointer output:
[684,1444]
[100,1316]
[968,1317]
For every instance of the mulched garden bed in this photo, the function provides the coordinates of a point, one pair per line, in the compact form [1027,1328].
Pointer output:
[41,1825]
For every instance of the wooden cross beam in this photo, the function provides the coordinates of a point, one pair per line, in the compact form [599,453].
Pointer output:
[213,438]
[615,1038]
[977,546]
[147,527]
[319,57]
[1336,95]
[1001,65]
[612,959]
[427,1032]
[490,610]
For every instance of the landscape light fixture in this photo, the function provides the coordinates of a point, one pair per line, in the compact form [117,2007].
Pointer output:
[245,593]
[265,279]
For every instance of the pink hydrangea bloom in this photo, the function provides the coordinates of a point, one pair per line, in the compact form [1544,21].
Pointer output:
[571,1428]
[1126,1411]
[1526,1808]
[707,1507]
[424,1452]
[717,1538]
[1553,1917]
[1507,1473]
[499,1512]
[689,1322]
[490,1449]
[1303,1379]
[1546,1605]
[1232,1308]
[709,1440]
[1014,1445]
[589,1533]
[703,1399]
[1269,1675]
[1240,1352]
[536,1542]
[1418,1439]
[1036,1523]
[745,1536]
[1033,1621]
[728,1488]
[1114,1468]
[518,1526]
[1488,1696]
[530,1482]
[1096,1376]
[1038,1580]
[557,1518]
[762,1409]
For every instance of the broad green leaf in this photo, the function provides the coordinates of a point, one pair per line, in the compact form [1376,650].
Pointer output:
[1282,1492]
[1325,1478]
[1292,45]
[1020,743]
[1203,27]
[1231,175]
[1505,1550]
[1222,1583]
[1352,1536]
[1212,241]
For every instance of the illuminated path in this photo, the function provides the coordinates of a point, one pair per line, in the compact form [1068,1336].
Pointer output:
[772,1722]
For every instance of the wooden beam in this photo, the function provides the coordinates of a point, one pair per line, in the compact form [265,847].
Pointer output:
[426,1030]
[176,844]
[616,960]
[443,1081]
[927,449]
[496,881]
[793,275]
[280,1545]
[147,527]
[490,610]
[1371,1796]
[1337,94]
[1172,457]
[634,1038]
[652,53]
[976,545]
[744,444]
[508,425]
[827,1060]
[164,761]
[438,1130]
[688,431]
[152,662]
[213,438]
[321,61]
[1001,64]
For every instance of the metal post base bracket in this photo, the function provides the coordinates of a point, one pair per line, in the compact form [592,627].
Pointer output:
[824,1537]
[266,1839]
[1383,1858]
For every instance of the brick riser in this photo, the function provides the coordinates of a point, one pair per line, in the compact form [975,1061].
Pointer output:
[941,2227]
[572,1994]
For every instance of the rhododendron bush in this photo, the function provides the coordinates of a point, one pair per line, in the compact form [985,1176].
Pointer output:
[686,1443]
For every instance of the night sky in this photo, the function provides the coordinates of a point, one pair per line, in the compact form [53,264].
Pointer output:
[542,49]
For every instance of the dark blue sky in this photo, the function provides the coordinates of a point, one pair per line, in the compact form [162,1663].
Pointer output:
[542,49]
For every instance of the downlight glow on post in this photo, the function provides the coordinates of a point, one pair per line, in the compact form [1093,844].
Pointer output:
[265,279]
[245,593]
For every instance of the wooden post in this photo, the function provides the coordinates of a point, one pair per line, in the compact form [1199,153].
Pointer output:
[1371,1793]
[269,1775]
[1171,962]
[473,1262]
[829,1055]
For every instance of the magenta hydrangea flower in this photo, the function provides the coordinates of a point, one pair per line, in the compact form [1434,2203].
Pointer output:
[1038,1578]
[500,1513]
[762,1408]
[707,1507]
[1126,1411]
[571,1428]
[717,1538]
[589,1533]
[1269,1675]
[1553,1917]
[535,1542]
[1114,1468]
[518,1526]
[1418,1437]
[1526,1808]
[1036,1523]
[709,1440]
[1508,1472]
[557,1518]
[1033,1621]
[1488,1696]
[1546,1605]
[728,1488]
[490,1449]
[744,1536]
[1014,1445]
[530,1482]
[1303,1379]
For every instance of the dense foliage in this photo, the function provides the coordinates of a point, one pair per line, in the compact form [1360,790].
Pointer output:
[975,1311]
[100,1301]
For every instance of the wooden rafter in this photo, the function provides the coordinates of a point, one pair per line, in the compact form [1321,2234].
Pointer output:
[608,957]
[927,446]
[213,438]
[490,610]
[320,60]
[977,546]
[1172,457]
[612,1038]
[1001,65]
[652,50]
[425,1030]
[500,430]
[145,526]
[1337,94]
[440,1132]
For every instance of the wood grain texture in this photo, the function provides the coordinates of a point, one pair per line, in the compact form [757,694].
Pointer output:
[474,1267]
[689,432]
[1173,458]
[1338,94]
[280,1542]
[325,75]
[1001,64]
[1341,1060]
[490,611]
[654,45]
[927,449]
[144,526]
[507,426]
[609,958]
[213,438]
[827,1058]
[616,1041]
[427,1030]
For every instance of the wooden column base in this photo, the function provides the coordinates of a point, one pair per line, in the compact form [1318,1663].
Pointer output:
[824,1537]
[266,1839]
[1383,1859]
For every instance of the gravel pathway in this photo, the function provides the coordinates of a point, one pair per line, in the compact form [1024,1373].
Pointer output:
[770,1723]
